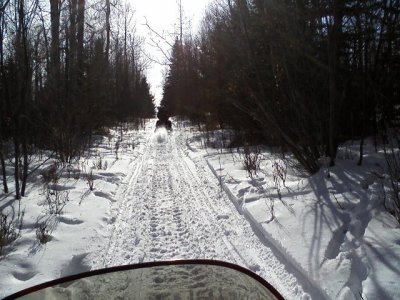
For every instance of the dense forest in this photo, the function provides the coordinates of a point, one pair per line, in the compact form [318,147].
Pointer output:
[68,68]
[302,75]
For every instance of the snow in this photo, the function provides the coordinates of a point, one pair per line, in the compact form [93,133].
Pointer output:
[334,231]
[177,195]
[80,229]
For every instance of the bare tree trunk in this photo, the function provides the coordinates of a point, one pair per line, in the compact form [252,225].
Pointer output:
[108,75]
[16,165]
[125,37]
[72,49]
[25,166]
[3,172]
[360,159]
[333,63]
[180,22]
[108,29]
[2,104]
[55,43]
[20,94]
[79,38]
[24,90]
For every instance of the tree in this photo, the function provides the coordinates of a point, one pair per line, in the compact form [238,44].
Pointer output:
[295,69]
[2,96]
[61,78]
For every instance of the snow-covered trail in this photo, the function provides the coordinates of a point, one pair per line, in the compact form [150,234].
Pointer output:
[173,208]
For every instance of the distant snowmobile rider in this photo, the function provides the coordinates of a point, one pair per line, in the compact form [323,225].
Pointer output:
[163,119]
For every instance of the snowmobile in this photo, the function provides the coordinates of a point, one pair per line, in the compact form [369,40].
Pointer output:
[163,119]
[177,279]
[167,124]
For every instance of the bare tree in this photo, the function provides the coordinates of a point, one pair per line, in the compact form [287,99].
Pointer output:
[108,30]
[334,40]
[2,94]
[54,70]
[60,78]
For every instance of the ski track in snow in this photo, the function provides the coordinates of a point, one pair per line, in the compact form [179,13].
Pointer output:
[173,208]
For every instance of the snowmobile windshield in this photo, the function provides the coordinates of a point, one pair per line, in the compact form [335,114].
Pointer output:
[164,280]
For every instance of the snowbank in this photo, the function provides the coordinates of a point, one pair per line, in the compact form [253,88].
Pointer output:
[80,230]
[333,230]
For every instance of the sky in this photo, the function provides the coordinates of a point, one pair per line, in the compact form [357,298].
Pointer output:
[163,17]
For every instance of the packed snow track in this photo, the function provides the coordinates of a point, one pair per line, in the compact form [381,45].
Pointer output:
[173,208]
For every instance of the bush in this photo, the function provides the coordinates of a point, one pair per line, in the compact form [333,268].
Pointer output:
[42,233]
[8,232]
[90,180]
[279,171]
[50,175]
[117,146]
[56,201]
[251,161]
[99,164]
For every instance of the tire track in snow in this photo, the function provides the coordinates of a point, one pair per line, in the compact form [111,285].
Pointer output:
[173,209]
[163,217]
[120,212]
[252,252]
[170,215]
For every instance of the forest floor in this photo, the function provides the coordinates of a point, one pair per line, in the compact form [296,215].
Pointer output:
[161,196]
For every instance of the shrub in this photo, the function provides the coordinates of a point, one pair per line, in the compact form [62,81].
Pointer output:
[279,172]
[77,174]
[90,180]
[98,164]
[56,201]
[251,161]
[50,175]
[8,232]
[42,233]
[117,145]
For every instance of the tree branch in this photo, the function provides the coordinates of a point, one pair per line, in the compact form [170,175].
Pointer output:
[156,33]
[2,8]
